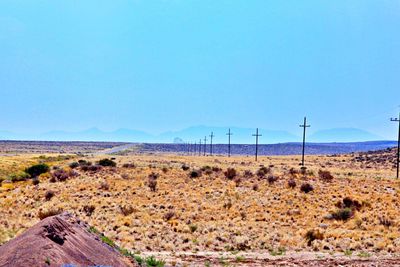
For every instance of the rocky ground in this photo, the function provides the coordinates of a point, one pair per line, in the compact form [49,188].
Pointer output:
[387,157]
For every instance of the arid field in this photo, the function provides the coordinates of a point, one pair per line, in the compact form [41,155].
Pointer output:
[215,209]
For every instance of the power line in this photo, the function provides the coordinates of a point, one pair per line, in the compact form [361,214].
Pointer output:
[304,126]
[205,145]
[398,143]
[257,135]
[229,134]
[200,148]
[211,143]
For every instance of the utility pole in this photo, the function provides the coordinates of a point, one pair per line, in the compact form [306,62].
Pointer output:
[200,148]
[205,145]
[211,143]
[195,149]
[398,143]
[304,126]
[257,135]
[229,134]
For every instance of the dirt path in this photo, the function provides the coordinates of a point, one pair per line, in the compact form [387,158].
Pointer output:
[116,149]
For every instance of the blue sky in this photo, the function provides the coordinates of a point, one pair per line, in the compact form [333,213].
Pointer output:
[171,64]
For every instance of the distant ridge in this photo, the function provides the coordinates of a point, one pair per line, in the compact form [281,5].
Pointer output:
[293,148]
[278,149]
[195,133]
[343,135]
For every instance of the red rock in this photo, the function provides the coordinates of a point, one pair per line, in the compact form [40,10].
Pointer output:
[60,240]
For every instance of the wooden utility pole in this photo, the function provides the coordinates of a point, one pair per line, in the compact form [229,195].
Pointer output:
[257,135]
[195,149]
[211,143]
[398,143]
[304,126]
[200,148]
[205,145]
[229,134]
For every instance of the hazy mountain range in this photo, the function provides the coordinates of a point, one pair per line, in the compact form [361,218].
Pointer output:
[194,134]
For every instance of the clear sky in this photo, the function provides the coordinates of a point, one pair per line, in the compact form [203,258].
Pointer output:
[170,64]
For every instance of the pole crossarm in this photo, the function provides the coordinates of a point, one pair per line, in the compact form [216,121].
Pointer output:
[200,148]
[211,143]
[205,145]
[304,126]
[257,135]
[229,134]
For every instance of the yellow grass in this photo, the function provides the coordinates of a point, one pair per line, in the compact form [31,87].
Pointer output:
[212,213]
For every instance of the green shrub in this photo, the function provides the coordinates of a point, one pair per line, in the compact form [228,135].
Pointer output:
[230,173]
[60,175]
[129,165]
[107,163]
[207,170]
[195,174]
[325,176]
[49,195]
[74,165]
[272,179]
[18,176]
[193,228]
[248,174]
[35,181]
[127,210]
[306,188]
[291,183]
[385,221]
[88,209]
[38,169]
[108,241]
[216,169]
[152,181]
[263,171]
[348,202]
[153,262]
[185,167]
[343,214]
[312,235]
[83,162]
[169,215]
[281,251]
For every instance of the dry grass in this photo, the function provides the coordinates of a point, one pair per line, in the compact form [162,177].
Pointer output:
[226,215]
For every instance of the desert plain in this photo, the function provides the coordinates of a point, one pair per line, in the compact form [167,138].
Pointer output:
[216,210]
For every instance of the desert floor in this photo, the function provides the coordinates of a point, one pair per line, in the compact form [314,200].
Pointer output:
[211,219]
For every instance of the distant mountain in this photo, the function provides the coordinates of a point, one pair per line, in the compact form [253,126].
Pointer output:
[343,135]
[94,134]
[5,135]
[194,134]
[240,135]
